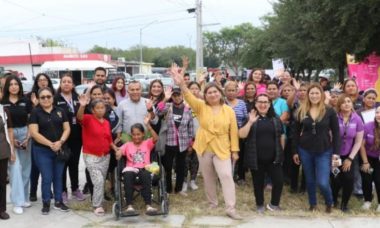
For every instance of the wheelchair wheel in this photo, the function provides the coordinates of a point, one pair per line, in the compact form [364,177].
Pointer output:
[163,194]
[116,210]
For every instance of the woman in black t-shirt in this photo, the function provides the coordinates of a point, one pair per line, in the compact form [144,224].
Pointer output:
[264,144]
[67,99]
[19,109]
[49,128]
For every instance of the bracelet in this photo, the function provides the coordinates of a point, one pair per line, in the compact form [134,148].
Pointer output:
[365,163]
[349,158]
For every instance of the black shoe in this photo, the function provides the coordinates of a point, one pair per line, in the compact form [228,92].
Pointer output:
[32,197]
[359,196]
[344,208]
[4,215]
[45,208]
[61,206]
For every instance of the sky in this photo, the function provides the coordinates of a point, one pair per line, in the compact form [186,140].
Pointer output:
[117,23]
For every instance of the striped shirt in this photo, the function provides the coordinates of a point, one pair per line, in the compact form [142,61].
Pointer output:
[241,112]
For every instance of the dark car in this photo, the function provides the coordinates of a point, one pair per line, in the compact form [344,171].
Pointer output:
[113,75]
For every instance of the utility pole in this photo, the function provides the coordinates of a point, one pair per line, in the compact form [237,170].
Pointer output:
[199,47]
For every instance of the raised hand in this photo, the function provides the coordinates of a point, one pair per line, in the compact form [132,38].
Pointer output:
[337,85]
[240,86]
[147,120]
[253,116]
[84,99]
[149,104]
[176,75]
[168,92]
[34,99]
[296,84]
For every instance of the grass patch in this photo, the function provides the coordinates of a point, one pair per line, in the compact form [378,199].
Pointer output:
[195,204]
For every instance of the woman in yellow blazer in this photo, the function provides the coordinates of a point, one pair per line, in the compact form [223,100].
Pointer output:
[216,141]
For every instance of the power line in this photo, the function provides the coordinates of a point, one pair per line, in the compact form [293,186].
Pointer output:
[123,26]
[37,12]
[95,23]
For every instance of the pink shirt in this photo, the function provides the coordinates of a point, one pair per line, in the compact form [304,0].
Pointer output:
[260,89]
[138,156]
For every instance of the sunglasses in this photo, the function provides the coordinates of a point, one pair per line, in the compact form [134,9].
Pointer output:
[46,97]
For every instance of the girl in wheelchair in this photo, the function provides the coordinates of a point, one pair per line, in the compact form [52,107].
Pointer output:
[137,153]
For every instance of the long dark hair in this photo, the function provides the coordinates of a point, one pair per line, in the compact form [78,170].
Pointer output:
[162,95]
[7,84]
[67,75]
[35,87]
[114,82]
[112,94]
[271,113]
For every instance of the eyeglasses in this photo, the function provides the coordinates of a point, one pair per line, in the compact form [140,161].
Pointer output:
[313,129]
[262,102]
[46,97]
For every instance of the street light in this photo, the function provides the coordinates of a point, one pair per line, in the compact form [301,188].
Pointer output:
[141,55]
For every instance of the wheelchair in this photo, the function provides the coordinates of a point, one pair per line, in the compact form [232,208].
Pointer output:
[159,194]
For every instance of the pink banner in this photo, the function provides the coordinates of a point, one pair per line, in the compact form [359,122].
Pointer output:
[366,73]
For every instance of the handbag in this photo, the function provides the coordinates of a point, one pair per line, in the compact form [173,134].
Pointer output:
[64,153]
[163,134]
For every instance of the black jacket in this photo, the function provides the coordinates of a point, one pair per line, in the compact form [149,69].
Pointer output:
[250,150]
[76,129]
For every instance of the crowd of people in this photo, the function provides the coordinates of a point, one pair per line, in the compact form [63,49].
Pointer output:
[281,131]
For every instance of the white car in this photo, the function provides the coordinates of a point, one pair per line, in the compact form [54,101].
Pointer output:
[56,82]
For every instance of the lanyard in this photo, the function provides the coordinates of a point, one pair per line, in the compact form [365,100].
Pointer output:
[70,103]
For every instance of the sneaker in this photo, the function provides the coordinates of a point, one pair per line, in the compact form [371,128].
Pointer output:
[61,206]
[193,185]
[78,195]
[182,193]
[45,208]
[18,210]
[184,187]
[64,197]
[273,208]
[260,209]
[366,206]
[26,204]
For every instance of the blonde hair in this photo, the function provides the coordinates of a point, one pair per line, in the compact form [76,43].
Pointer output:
[305,107]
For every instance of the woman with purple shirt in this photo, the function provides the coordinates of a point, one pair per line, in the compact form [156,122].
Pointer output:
[370,168]
[351,132]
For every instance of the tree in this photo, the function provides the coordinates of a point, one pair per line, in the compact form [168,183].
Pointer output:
[228,45]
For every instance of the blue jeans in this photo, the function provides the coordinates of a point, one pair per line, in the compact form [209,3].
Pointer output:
[20,170]
[51,171]
[317,168]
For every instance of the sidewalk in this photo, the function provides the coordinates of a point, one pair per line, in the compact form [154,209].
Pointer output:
[32,217]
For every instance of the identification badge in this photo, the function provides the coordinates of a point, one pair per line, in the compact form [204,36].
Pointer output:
[74,120]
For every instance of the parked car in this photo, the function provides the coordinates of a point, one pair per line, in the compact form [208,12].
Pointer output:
[80,88]
[27,86]
[167,82]
[112,75]
[56,82]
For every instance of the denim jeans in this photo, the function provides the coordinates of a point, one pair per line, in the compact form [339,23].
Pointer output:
[317,168]
[19,170]
[51,171]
